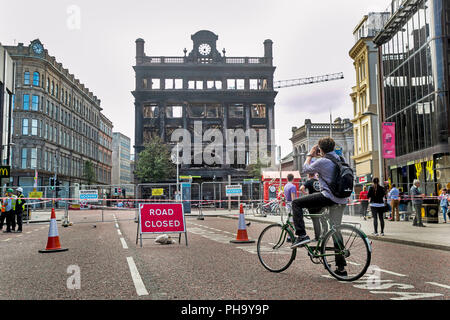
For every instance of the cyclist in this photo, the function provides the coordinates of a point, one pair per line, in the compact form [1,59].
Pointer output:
[326,171]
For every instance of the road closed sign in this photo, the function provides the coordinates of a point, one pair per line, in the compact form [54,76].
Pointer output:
[162,218]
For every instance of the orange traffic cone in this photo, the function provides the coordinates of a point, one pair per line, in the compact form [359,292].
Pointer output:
[242,229]
[53,244]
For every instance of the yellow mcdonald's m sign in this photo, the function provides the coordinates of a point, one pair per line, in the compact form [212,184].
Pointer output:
[4,171]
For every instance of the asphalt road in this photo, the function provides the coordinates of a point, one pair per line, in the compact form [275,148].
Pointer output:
[103,262]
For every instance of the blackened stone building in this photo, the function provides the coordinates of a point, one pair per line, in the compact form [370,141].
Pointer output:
[208,87]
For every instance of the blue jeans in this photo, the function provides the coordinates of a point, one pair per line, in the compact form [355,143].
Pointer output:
[444,212]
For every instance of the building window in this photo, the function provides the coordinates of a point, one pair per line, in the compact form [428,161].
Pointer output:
[53,88]
[214,111]
[34,127]
[151,111]
[174,111]
[26,78]
[24,158]
[24,127]
[33,158]
[36,79]
[156,84]
[236,111]
[48,85]
[258,110]
[26,102]
[35,103]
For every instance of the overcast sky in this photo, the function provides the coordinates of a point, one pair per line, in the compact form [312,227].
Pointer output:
[98,45]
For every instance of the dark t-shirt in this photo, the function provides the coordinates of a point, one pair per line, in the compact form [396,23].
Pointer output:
[312,185]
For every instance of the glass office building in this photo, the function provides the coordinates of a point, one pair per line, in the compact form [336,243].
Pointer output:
[414,68]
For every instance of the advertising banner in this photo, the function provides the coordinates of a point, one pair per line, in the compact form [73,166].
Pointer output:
[388,140]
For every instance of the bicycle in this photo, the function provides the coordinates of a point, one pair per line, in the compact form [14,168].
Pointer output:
[339,242]
[271,207]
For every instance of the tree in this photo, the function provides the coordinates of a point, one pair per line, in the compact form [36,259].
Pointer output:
[89,172]
[255,170]
[154,163]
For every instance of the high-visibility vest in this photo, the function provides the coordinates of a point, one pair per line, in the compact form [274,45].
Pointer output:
[21,202]
[3,206]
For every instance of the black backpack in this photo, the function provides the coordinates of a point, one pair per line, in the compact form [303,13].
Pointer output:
[342,184]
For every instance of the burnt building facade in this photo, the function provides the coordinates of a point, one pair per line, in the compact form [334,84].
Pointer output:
[203,90]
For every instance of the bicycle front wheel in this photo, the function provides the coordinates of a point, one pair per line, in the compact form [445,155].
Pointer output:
[274,248]
[349,247]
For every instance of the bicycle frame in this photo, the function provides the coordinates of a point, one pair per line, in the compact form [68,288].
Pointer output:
[314,251]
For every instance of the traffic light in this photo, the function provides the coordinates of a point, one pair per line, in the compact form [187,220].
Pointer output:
[52,183]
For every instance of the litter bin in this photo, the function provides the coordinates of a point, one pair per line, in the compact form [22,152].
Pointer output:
[431,213]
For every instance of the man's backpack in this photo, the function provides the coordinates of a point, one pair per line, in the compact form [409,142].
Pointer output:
[342,184]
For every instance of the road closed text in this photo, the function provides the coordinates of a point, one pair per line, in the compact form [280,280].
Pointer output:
[161,217]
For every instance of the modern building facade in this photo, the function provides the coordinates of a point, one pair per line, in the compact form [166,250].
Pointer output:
[414,52]
[366,126]
[7,80]
[121,162]
[58,123]
[204,87]
[305,137]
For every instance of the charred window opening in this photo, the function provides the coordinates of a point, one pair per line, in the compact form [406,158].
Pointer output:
[236,111]
[258,110]
[150,111]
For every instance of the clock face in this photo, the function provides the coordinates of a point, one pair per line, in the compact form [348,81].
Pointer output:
[37,48]
[204,49]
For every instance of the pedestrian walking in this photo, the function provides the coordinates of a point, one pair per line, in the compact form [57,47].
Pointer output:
[20,208]
[10,206]
[417,201]
[394,196]
[364,201]
[376,196]
[444,197]
[311,186]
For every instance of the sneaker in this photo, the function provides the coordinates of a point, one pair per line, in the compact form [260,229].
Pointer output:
[341,273]
[288,239]
[375,234]
[19,231]
[382,234]
[7,231]
[300,241]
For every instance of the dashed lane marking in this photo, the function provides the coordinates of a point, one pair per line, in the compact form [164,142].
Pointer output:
[117,226]
[119,232]
[7,239]
[137,280]
[28,232]
[124,244]
[439,285]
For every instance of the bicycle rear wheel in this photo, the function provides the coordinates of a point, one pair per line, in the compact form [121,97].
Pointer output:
[351,249]
[274,248]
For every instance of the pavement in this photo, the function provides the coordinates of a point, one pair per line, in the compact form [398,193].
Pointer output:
[434,235]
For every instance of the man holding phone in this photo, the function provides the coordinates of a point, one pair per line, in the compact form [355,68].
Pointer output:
[325,168]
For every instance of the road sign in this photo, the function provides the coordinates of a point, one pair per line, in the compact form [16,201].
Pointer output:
[35,194]
[88,195]
[233,190]
[161,218]
[157,192]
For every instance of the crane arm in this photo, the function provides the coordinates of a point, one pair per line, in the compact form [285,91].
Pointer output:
[309,80]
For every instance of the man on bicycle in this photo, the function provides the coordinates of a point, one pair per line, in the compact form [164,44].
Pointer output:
[325,168]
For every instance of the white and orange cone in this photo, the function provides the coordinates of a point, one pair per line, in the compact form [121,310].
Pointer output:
[53,244]
[242,236]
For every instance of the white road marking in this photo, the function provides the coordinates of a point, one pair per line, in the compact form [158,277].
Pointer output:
[117,226]
[390,272]
[124,244]
[137,280]
[28,232]
[119,232]
[439,285]
[7,239]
